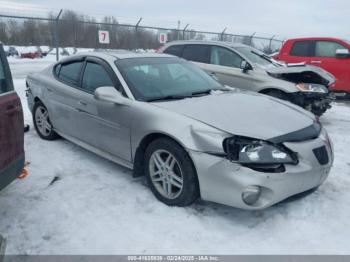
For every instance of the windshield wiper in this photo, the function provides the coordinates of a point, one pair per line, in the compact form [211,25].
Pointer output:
[201,93]
[179,97]
[170,97]
[208,92]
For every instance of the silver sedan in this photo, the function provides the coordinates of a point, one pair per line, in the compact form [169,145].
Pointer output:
[190,136]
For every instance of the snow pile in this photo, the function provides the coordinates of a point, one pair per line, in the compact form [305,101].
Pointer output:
[66,51]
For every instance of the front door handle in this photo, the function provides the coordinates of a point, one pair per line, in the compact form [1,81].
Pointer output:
[83,103]
[316,62]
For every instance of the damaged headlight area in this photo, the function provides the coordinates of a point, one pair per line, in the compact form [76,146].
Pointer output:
[312,88]
[258,154]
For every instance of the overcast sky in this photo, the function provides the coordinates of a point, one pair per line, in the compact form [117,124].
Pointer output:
[285,18]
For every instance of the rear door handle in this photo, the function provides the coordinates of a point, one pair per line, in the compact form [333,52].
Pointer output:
[316,62]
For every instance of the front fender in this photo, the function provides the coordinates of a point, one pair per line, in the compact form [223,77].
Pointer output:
[189,133]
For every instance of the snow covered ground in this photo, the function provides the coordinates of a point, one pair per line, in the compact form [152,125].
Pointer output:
[96,207]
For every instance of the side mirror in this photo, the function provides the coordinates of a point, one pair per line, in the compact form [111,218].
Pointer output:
[111,95]
[342,53]
[245,66]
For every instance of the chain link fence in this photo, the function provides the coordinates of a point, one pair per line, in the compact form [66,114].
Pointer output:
[70,30]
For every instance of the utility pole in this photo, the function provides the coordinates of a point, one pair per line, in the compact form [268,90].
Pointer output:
[178,29]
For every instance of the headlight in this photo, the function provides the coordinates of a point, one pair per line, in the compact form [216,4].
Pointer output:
[315,88]
[250,151]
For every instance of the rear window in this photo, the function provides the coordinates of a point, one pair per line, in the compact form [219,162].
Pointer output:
[174,50]
[301,48]
[69,73]
[197,53]
[5,86]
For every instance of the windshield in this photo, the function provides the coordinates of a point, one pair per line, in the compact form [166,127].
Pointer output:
[256,57]
[165,78]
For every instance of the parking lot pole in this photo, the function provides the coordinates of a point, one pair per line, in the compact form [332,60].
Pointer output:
[222,34]
[56,35]
[271,43]
[2,248]
[137,33]
[251,39]
[183,32]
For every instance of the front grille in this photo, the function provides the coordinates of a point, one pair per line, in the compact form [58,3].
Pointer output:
[321,155]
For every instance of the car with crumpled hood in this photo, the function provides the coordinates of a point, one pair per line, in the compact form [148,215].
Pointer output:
[244,67]
[191,137]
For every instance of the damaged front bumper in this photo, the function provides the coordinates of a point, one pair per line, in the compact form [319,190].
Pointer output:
[317,103]
[226,182]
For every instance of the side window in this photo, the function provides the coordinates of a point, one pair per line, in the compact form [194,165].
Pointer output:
[5,86]
[196,53]
[95,76]
[327,48]
[225,57]
[301,48]
[69,73]
[174,50]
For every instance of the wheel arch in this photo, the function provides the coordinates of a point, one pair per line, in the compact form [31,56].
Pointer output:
[141,149]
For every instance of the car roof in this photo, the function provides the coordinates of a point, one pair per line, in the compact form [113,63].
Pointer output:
[118,54]
[202,42]
[315,39]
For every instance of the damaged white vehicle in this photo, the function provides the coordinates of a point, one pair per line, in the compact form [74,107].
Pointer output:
[191,137]
[244,67]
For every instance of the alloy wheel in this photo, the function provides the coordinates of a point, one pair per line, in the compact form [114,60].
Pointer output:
[166,174]
[42,121]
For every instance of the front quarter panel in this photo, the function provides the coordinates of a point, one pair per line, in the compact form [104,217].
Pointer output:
[190,134]
[263,81]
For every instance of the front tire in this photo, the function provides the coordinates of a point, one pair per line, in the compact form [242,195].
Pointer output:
[170,173]
[42,122]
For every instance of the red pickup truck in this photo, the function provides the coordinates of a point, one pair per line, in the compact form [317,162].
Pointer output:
[331,54]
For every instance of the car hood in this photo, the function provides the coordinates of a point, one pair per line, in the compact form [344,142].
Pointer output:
[298,73]
[242,113]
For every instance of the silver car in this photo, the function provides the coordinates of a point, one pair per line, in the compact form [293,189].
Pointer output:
[190,136]
[242,66]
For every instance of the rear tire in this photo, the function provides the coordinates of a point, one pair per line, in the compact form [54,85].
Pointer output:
[170,173]
[42,122]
